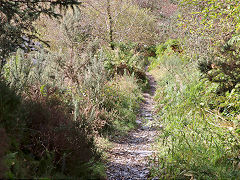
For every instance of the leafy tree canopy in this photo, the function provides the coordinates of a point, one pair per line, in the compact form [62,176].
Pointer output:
[214,27]
[17,17]
[212,18]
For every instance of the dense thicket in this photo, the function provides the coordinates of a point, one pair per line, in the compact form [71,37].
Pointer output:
[61,104]
[198,93]
[214,29]
[57,103]
[197,141]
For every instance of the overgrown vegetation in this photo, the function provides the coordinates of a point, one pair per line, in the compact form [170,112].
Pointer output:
[67,101]
[66,83]
[57,102]
[197,141]
[198,94]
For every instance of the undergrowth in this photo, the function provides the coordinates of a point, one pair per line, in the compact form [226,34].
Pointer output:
[59,108]
[123,96]
[197,141]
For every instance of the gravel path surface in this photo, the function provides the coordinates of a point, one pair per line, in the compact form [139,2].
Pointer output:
[129,155]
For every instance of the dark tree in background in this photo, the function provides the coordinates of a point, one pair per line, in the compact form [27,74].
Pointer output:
[17,17]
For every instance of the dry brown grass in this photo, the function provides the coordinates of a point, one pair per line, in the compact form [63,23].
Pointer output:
[158,73]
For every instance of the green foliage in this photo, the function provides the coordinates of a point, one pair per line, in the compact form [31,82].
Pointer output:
[169,49]
[22,69]
[125,59]
[196,142]
[224,66]
[226,12]
[67,100]
[212,29]
[172,45]
[122,96]
[9,104]
[213,33]
[17,18]
[228,105]
[42,137]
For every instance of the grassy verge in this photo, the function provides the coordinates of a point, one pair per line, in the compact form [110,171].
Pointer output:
[197,142]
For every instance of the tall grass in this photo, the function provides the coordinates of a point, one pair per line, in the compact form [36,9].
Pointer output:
[123,96]
[196,141]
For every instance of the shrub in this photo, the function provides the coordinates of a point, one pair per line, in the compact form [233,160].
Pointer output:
[169,49]
[65,106]
[223,67]
[41,136]
[53,134]
[196,142]
[47,144]
[123,96]
[213,38]
[124,59]
[9,106]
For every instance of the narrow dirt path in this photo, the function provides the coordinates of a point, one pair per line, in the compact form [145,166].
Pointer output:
[129,156]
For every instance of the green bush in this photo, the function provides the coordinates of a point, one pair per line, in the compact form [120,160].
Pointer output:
[63,107]
[196,142]
[122,96]
[169,49]
[223,67]
[172,45]
[42,137]
[214,44]
[43,129]
[9,106]
[127,58]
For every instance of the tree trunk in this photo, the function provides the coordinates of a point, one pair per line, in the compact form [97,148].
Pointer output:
[111,42]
